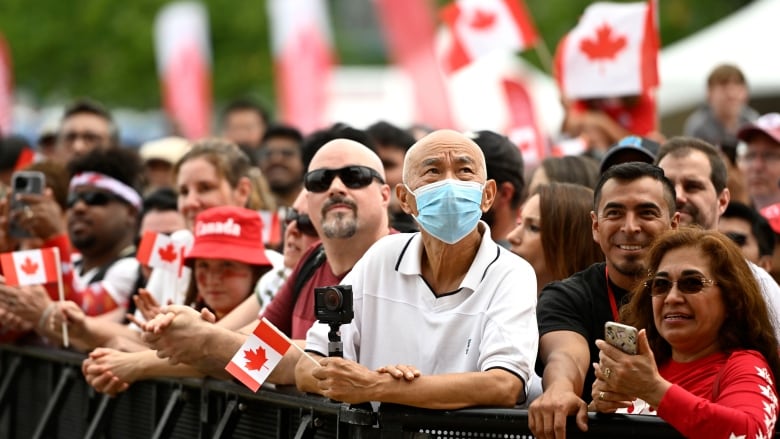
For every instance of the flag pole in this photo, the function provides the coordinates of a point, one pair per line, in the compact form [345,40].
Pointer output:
[292,342]
[61,291]
[543,52]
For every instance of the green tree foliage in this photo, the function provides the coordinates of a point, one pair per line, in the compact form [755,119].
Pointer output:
[105,49]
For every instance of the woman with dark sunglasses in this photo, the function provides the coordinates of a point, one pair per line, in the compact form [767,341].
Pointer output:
[707,359]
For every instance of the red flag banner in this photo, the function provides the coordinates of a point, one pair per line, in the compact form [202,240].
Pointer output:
[479,27]
[259,354]
[613,51]
[523,129]
[409,29]
[184,66]
[30,267]
[303,59]
[6,88]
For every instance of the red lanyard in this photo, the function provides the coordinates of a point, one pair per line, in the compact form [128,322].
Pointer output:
[611,294]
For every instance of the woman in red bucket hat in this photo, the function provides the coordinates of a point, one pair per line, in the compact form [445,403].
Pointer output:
[227,258]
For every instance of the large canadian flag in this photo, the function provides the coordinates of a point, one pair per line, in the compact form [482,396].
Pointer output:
[6,88]
[184,66]
[613,51]
[479,27]
[303,59]
[30,267]
[258,356]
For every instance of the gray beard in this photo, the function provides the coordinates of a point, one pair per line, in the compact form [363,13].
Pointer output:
[340,227]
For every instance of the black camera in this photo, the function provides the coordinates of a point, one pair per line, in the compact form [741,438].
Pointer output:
[333,305]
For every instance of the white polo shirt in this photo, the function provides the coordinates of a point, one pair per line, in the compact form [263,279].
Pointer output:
[490,322]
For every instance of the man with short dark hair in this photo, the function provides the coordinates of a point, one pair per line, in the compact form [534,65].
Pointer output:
[633,203]
[505,166]
[85,125]
[391,145]
[726,109]
[281,160]
[750,231]
[244,122]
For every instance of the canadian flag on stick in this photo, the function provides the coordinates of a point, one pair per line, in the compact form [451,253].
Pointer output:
[30,267]
[258,356]
[479,27]
[159,251]
[613,51]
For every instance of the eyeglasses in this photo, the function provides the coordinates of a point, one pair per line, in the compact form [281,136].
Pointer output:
[660,286]
[87,136]
[739,238]
[92,198]
[354,177]
[302,221]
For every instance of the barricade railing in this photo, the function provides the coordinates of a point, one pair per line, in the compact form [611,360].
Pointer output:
[43,395]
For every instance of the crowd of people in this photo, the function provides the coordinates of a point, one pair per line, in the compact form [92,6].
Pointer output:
[469,286]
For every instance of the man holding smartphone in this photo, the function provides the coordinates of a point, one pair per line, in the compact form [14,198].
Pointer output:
[633,203]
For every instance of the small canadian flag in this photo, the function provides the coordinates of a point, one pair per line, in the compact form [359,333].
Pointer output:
[259,354]
[30,267]
[157,250]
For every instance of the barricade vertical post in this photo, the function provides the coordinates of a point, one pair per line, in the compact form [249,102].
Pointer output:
[57,398]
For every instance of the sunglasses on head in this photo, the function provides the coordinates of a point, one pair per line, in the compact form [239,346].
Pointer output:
[302,221]
[660,286]
[92,198]
[739,238]
[353,177]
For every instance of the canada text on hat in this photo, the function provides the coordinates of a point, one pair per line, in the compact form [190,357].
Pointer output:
[768,124]
[228,227]
[229,232]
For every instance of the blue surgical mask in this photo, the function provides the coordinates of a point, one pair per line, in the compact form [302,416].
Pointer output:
[449,209]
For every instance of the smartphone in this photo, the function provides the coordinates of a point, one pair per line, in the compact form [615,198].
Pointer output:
[23,182]
[621,336]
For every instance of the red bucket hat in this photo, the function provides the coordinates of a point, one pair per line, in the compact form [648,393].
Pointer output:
[228,232]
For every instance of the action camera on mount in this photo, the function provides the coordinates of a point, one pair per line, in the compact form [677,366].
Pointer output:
[333,306]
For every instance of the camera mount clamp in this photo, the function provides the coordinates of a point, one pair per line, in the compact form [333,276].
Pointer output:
[335,346]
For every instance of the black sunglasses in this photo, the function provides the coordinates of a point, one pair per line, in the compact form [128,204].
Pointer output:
[92,198]
[353,177]
[739,238]
[302,221]
[660,286]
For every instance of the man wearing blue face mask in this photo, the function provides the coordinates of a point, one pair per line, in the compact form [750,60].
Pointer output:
[438,313]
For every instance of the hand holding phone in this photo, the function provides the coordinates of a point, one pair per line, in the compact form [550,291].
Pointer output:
[23,182]
[621,336]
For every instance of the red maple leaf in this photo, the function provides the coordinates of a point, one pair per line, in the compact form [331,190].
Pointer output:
[167,253]
[482,20]
[29,266]
[255,359]
[606,45]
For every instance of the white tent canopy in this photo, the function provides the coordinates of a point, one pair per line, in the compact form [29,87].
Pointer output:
[748,38]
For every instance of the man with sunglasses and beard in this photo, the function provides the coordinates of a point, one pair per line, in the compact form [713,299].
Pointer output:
[439,321]
[347,201]
[103,205]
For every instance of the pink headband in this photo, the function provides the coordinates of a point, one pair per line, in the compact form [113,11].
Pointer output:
[108,183]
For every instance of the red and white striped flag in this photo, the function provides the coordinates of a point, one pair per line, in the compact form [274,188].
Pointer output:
[184,66]
[410,30]
[523,128]
[157,250]
[259,354]
[30,267]
[6,88]
[613,51]
[479,27]
[303,59]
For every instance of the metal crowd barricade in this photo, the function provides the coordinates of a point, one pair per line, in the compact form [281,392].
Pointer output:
[44,395]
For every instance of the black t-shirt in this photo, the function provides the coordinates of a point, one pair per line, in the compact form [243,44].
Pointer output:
[579,303]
